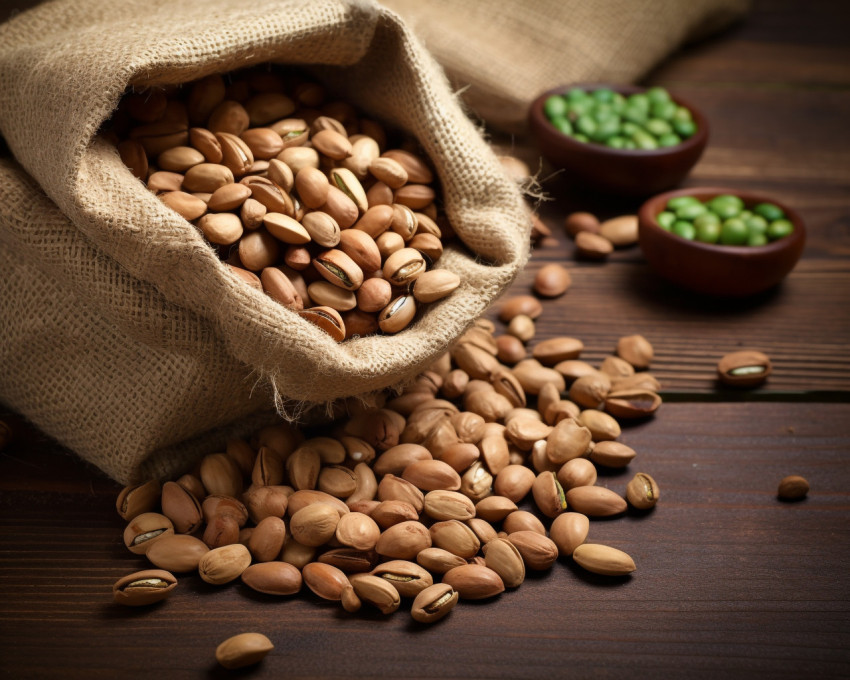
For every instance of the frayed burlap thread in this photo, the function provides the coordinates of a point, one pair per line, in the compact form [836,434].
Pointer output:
[161,343]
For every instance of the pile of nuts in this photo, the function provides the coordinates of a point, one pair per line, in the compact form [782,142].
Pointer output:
[301,197]
[595,240]
[423,499]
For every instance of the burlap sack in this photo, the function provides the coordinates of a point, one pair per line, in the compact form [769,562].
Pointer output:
[122,334]
[501,54]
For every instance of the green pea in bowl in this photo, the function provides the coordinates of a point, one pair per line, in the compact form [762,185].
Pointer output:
[720,241]
[618,139]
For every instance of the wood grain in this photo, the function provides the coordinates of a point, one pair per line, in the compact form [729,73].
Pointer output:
[731,582]
[729,578]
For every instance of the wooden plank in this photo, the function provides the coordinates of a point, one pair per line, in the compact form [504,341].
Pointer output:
[729,579]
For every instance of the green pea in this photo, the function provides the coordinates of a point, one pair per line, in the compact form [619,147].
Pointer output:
[726,206]
[745,214]
[756,224]
[581,138]
[733,232]
[607,128]
[615,142]
[664,110]
[685,128]
[576,94]
[682,114]
[676,202]
[684,229]
[630,145]
[665,220]
[769,211]
[669,140]
[603,95]
[691,211]
[628,128]
[555,107]
[640,101]
[635,115]
[604,112]
[644,140]
[581,107]
[563,126]
[658,127]
[618,103]
[779,229]
[707,217]
[658,94]
[707,231]
[586,125]
[756,240]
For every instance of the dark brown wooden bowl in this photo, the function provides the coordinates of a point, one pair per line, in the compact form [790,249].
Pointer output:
[728,271]
[624,172]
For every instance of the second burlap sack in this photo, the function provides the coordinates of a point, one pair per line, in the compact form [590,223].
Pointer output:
[125,337]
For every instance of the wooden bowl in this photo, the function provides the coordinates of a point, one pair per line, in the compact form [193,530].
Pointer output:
[729,271]
[633,173]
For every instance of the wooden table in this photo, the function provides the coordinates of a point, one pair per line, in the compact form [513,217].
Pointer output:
[730,581]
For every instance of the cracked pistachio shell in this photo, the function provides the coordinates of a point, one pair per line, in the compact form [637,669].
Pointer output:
[433,603]
[144,587]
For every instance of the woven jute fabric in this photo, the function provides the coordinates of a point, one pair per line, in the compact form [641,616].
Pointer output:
[501,54]
[123,336]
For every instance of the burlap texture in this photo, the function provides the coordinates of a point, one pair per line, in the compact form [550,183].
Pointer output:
[502,53]
[124,337]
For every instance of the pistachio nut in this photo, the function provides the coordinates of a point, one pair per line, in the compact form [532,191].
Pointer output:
[593,246]
[397,315]
[325,580]
[224,564]
[595,501]
[404,266]
[357,530]
[438,560]
[568,531]
[538,552]
[567,440]
[611,454]
[602,426]
[314,524]
[456,537]
[579,471]
[444,504]
[432,475]
[494,508]
[145,530]
[514,482]
[143,587]
[528,305]
[136,499]
[242,650]
[589,391]
[556,350]
[747,368]
[603,559]
[327,319]
[476,482]
[634,403]
[533,375]
[393,488]
[403,541]
[552,280]
[549,495]
[408,578]
[376,591]
[502,556]
[267,539]
[181,507]
[522,520]
[337,480]
[350,560]
[433,603]
[474,582]
[272,578]
[635,349]
[642,491]
[791,488]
